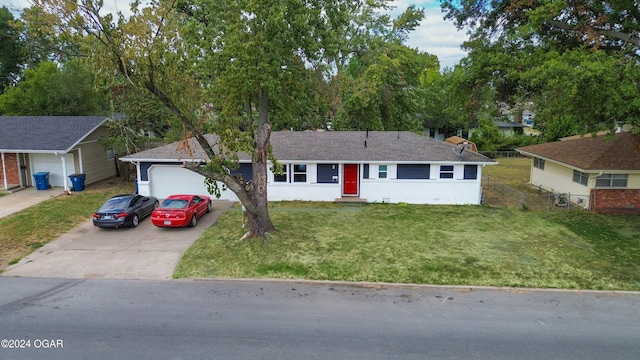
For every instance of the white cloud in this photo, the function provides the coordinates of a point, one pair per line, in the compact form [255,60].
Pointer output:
[434,35]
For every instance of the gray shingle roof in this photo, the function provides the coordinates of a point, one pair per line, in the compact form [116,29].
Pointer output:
[592,154]
[45,133]
[343,146]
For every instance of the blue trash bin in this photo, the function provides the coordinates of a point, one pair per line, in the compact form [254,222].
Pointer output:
[77,181]
[41,180]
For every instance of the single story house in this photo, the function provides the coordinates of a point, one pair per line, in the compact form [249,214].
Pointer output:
[58,145]
[599,173]
[372,166]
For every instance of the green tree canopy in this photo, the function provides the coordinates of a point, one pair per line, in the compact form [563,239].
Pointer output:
[51,90]
[12,50]
[228,67]
[577,61]
[381,89]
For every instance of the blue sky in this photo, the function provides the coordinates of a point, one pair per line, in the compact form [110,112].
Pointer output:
[435,35]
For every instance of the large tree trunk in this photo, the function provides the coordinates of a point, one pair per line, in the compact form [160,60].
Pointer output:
[258,211]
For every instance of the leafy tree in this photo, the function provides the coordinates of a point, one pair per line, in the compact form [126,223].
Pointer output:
[576,60]
[226,67]
[487,136]
[12,52]
[49,90]
[382,89]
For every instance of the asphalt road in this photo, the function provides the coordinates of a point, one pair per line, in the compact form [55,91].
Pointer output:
[146,319]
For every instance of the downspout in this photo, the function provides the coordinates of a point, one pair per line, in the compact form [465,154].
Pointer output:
[4,172]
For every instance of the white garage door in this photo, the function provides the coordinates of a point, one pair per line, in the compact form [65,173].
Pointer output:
[53,165]
[166,180]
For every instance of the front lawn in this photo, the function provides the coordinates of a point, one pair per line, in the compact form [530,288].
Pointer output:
[461,245]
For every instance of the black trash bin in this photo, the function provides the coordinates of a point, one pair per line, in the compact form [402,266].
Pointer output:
[77,180]
[41,180]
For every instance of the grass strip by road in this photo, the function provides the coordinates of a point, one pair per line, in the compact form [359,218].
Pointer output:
[30,229]
[455,245]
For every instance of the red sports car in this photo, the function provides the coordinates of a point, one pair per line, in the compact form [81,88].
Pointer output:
[181,210]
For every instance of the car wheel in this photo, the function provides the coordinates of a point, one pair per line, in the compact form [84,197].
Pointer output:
[135,221]
[209,207]
[194,221]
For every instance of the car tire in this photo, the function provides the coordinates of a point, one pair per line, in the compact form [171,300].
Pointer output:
[135,221]
[209,207]
[194,221]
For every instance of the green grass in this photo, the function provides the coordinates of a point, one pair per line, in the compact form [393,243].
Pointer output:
[461,245]
[32,228]
[513,172]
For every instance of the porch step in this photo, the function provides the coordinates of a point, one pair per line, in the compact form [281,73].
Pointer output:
[350,200]
[11,189]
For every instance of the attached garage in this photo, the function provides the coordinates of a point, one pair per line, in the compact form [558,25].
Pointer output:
[54,166]
[172,179]
[373,166]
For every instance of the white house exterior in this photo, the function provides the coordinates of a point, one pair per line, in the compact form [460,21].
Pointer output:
[388,167]
[599,173]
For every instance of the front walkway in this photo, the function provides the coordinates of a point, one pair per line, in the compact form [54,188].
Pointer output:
[19,200]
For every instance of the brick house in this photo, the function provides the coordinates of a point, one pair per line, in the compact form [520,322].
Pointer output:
[58,145]
[603,173]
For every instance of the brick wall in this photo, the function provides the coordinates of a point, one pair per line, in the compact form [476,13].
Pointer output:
[616,201]
[13,174]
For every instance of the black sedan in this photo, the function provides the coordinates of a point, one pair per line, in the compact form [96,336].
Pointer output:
[124,210]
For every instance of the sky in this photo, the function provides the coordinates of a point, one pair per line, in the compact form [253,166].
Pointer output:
[435,35]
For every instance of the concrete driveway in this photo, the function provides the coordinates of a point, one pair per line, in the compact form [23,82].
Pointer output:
[23,199]
[144,252]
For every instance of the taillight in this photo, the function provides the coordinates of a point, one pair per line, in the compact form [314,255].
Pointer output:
[96,216]
[121,215]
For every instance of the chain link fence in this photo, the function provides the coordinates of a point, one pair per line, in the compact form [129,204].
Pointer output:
[496,193]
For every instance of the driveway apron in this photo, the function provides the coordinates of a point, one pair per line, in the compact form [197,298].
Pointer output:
[20,200]
[144,252]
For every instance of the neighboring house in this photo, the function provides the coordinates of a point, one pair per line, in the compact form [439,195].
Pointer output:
[362,166]
[507,128]
[435,133]
[59,145]
[603,173]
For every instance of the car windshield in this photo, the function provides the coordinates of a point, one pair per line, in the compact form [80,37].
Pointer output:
[174,204]
[115,204]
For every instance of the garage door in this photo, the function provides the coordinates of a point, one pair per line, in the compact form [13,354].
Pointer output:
[53,165]
[166,180]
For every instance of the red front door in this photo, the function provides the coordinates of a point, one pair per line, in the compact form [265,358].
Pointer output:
[350,175]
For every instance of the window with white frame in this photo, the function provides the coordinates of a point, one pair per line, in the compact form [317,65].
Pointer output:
[538,163]
[299,173]
[382,171]
[612,180]
[446,171]
[580,177]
